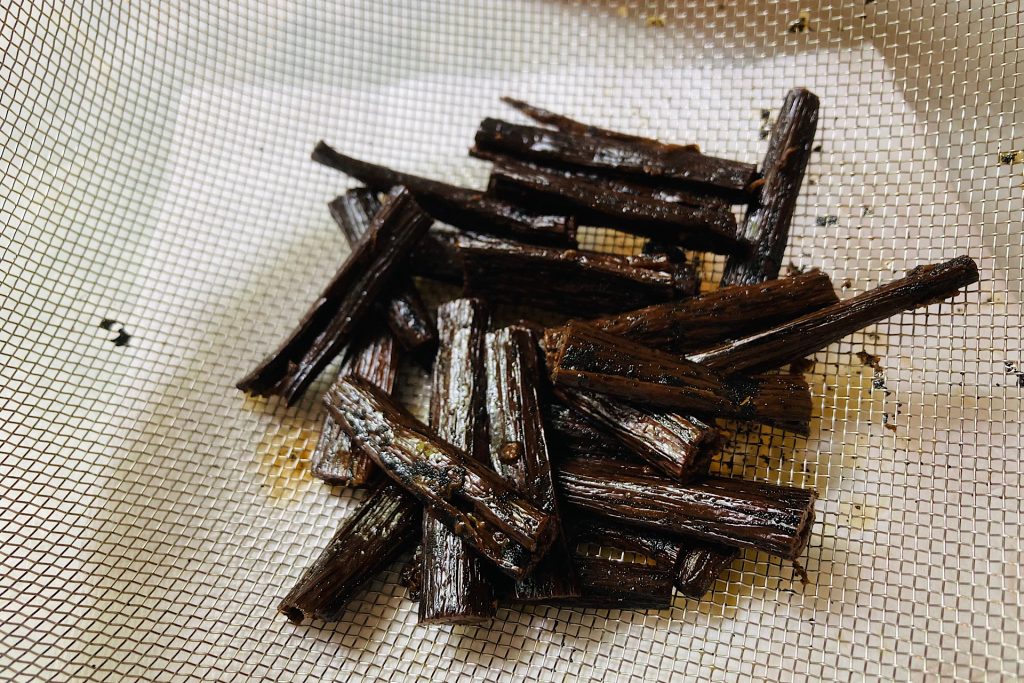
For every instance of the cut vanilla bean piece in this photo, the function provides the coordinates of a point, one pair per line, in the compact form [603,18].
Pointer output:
[386,523]
[406,313]
[576,282]
[592,360]
[677,445]
[651,191]
[519,450]
[466,496]
[455,587]
[354,211]
[595,203]
[327,326]
[455,205]
[796,339]
[437,256]
[674,165]
[700,565]
[696,564]
[571,434]
[374,356]
[707,319]
[766,225]
[612,584]
[734,512]
[660,547]
[568,125]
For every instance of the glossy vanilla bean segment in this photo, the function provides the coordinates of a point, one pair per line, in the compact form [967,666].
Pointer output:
[374,356]
[569,433]
[678,445]
[383,526]
[733,512]
[458,206]
[796,339]
[571,281]
[519,450]
[455,588]
[327,326]
[696,564]
[403,307]
[708,319]
[597,203]
[593,360]
[766,226]
[700,564]
[466,496]
[648,161]
[613,584]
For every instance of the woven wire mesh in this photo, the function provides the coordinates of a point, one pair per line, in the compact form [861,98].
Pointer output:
[156,179]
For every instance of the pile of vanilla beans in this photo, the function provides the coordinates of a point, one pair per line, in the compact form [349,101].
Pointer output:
[544,442]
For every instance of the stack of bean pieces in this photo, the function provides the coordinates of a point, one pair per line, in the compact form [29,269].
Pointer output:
[543,443]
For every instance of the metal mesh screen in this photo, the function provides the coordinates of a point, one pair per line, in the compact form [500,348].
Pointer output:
[163,228]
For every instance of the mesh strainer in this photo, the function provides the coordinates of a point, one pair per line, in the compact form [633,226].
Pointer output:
[163,228]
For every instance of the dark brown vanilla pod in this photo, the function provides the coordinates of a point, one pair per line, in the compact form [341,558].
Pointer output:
[672,165]
[354,211]
[374,356]
[733,512]
[385,524]
[458,206]
[613,584]
[406,313]
[466,496]
[568,125]
[455,588]
[596,203]
[327,326]
[766,226]
[796,339]
[651,191]
[678,445]
[707,319]
[575,282]
[592,360]
[700,565]
[519,450]
[437,256]
[696,564]
[571,434]
[663,548]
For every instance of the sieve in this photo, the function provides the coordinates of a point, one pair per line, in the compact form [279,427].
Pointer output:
[162,228]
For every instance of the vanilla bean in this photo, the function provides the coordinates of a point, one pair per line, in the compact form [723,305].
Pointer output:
[766,226]
[453,579]
[727,313]
[467,497]
[383,526]
[734,512]
[374,357]
[455,205]
[519,450]
[675,165]
[327,326]
[576,282]
[796,339]
[592,360]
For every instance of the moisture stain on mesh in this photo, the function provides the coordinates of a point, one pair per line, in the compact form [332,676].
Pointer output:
[283,459]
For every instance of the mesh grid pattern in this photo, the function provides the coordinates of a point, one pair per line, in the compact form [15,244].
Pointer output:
[156,174]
